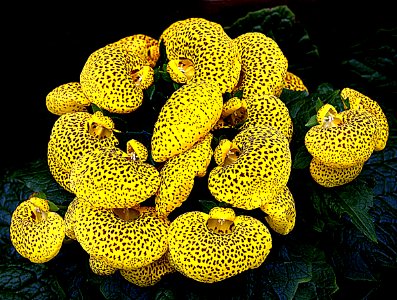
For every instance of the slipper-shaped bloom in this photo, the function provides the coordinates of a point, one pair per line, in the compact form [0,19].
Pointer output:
[114,78]
[216,246]
[178,174]
[100,266]
[280,211]
[332,176]
[73,135]
[198,49]
[71,216]
[126,239]
[344,139]
[186,117]
[110,178]
[251,168]
[263,65]
[358,100]
[294,82]
[36,232]
[263,109]
[66,98]
[146,47]
[150,274]
[234,112]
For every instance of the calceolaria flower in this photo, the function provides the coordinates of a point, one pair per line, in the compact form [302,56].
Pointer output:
[294,82]
[268,110]
[187,116]
[252,167]
[150,274]
[114,79]
[67,98]
[146,47]
[100,266]
[178,175]
[263,64]
[333,176]
[126,239]
[36,232]
[280,211]
[74,134]
[198,49]
[358,100]
[110,178]
[342,139]
[215,246]
[340,144]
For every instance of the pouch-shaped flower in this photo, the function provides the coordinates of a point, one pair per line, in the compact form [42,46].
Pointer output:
[178,175]
[358,100]
[107,177]
[263,64]
[198,50]
[36,232]
[123,238]
[280,211]
[333,176]
[268,110]
[215,246]
[114,78]
[294,82]
[344,139]
[186,117]
[251,168]
[66,98]
[72,135]
[150,274]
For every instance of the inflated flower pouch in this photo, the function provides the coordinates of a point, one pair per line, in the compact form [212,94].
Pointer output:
[221,131]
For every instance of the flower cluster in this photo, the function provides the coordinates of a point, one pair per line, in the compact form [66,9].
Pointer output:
[110,216]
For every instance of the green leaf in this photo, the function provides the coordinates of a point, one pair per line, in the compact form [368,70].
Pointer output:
[319,104]
[164,294]
[150,91]
[28,281]
[115,287]
[302,158]
[53,206]
[312,121]
[36,177]
[207,205]
[356,199]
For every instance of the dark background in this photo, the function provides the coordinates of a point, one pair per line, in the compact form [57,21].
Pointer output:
[46,46]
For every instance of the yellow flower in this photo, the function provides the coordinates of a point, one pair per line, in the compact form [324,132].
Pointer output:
[114,78]
[358,100]
[343,139]
[178,174]
[125,239]
[109,178]
[72,135]
[263,65]
[213,247]
[280,211]
[200,50]
[36,233]
[251,168]
[150,274]
[187,116]
[67,98]
[294,82]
